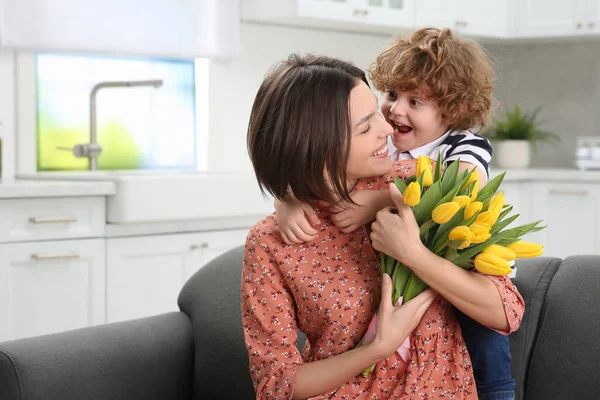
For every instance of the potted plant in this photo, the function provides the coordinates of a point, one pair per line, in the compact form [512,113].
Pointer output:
[515,134]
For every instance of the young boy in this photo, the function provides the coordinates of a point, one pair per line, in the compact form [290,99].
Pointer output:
[436,88]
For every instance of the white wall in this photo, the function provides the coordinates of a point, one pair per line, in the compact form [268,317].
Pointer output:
[562,78]
[233,84]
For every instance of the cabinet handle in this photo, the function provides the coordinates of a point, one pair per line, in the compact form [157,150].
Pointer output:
[54,256]
[579,25]
[52,220]
[356,12]
[199,246]
[569,192]
[591,25]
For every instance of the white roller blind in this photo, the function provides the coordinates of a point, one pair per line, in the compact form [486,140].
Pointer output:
[162,28]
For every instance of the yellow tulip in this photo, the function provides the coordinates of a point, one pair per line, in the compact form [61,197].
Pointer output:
[475,191]
[473,209]
[463,233]
[491,264]
[444,212]
[473,177]
[481,232]
[501,251]
[525,249]
[488,217]
[424,166]
[497,202]
[464,201]
[412,194]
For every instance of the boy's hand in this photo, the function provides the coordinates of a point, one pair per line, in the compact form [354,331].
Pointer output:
[294,219]
[350,217]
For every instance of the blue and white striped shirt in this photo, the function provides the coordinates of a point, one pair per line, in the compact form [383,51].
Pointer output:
[467,146]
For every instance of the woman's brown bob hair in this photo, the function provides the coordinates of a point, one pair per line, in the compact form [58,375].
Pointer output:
[299,130]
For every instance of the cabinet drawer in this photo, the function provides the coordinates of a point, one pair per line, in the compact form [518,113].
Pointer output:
[51,218]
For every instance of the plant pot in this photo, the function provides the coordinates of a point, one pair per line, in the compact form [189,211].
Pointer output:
[512,154]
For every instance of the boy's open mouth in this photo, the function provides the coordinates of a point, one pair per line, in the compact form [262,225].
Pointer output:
[401,128]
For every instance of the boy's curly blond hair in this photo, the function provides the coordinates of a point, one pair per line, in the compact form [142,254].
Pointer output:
[454,72]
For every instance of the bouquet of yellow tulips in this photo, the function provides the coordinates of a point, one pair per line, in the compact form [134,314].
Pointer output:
[460,223]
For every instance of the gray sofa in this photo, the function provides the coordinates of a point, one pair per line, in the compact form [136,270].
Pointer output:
[199,353]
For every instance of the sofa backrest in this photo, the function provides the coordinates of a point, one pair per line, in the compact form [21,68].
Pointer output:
[211,298]
[533,279]
[554,353]
[565,362]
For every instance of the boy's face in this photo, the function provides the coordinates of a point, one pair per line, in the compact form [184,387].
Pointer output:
[416,119]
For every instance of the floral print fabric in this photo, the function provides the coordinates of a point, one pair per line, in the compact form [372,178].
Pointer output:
[329,289]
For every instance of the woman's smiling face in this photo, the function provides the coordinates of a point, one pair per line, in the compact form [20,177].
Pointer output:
[369,131]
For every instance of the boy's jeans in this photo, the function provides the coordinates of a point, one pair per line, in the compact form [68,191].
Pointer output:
[490,355]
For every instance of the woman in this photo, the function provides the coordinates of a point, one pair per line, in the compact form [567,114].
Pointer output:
[315,129]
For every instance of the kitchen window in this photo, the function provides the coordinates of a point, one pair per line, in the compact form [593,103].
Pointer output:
[138,127]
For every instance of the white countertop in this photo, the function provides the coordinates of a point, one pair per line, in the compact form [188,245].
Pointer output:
[547,175]
[19,188]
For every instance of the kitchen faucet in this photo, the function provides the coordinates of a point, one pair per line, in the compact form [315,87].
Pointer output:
[93,149]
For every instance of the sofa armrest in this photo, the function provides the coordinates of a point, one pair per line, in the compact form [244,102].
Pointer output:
[150,358]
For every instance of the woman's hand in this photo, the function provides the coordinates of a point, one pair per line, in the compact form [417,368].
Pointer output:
[394,325]
[397,234]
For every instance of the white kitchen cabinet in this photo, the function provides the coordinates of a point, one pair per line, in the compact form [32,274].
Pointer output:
[354,15]
[36,219]
[51,286]
[571,212]
[145,274]
[543,18]
[490,18]
[592,19]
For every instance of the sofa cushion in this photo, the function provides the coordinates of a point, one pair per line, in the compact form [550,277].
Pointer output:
[566,355]
[533,279]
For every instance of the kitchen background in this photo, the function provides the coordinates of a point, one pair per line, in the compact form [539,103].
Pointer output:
[175,186]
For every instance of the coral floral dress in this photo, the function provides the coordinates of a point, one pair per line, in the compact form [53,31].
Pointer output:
[329,289]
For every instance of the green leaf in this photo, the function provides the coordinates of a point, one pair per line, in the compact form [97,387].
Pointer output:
[429,200]
[449,196]
[488,191]
[507,241]
[400,184]
[449,178]
[414,287]
[410,180]
[400,280]
[438,167]
[523,229]
[498,226]
[420,182]
[465,264]
[390,262]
